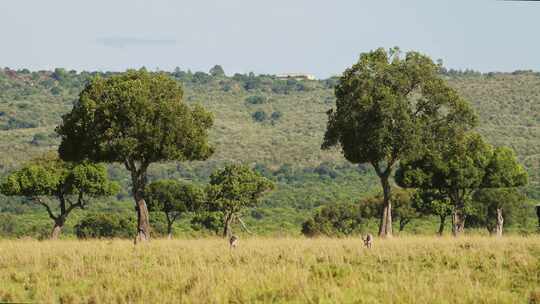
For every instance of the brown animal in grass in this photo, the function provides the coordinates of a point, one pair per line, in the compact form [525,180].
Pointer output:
[233,241]
[368,241]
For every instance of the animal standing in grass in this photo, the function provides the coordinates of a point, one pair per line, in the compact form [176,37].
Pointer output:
[368,241]
[233,241]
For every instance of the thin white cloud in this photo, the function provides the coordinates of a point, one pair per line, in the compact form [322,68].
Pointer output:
[121,42]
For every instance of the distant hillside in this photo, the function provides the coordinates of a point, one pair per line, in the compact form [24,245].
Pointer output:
[274,123]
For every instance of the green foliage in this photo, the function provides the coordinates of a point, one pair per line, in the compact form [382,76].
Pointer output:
[508,105]
[234,188]
[377,117]
[217,71]
[389,108]
[461,165]
[504,170]
[210,221]
[432,202]
[487,201]
[256,99]
[71,184]
[14,123]
[334,220]
[105,225]
[458,164]
[276,115]
[50,176]
[402,201]
[457,167]
[259,116]
[135,116]
[173,198]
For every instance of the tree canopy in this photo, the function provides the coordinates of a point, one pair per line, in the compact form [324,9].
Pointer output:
[70,183]
[458,167]
[217,71]
[135,118]
[389,107]
[334,220]
[404,211]
[234,188]
[493,207]
[432,202]
[173,198]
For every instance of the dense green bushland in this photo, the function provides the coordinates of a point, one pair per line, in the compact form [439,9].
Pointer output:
[275,126]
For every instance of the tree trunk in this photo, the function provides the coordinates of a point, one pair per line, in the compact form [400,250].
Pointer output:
[138,179]
[458,221]
[500,222]
[227,225]
[402,224]
[57,228]
[385,226]
[143,221]
[169,228]
[441,224]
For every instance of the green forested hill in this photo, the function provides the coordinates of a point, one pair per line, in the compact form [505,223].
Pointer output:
[274,125]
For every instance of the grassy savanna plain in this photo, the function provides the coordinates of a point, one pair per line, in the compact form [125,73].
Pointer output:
[411,269]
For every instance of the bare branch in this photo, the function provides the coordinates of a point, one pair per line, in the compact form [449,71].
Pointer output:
[80,204]
[243,225]
[49,211]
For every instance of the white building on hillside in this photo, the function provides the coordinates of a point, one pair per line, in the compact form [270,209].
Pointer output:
[296,76]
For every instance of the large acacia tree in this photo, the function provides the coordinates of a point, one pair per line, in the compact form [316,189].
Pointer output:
[173,198]
[71,185]
[233,189]
[135,118]
[460,166]
[389,107]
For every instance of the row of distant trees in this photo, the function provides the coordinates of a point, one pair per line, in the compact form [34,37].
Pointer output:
[392,112]
[486,208]
[136,118]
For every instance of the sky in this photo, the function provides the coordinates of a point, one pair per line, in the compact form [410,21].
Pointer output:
[318,37]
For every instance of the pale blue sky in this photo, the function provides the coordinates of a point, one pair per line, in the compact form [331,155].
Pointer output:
[313,36]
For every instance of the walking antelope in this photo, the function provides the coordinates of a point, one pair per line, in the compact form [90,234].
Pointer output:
[368,241]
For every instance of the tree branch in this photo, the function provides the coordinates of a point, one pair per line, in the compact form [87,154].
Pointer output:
[377,168]
[243,225]
[80,204]
[49,211]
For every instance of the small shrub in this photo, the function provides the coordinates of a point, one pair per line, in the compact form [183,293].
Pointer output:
[260,116]
[334,220]
[105,225]
[210,221]
[256,99]
[276,115]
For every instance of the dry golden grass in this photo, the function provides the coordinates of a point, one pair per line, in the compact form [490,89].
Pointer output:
[400,270]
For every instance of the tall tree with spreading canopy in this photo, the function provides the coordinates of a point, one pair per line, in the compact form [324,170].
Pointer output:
[460,166]
[233,189]
[136,118]
[70,184]
[173,198]
[389,107]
